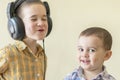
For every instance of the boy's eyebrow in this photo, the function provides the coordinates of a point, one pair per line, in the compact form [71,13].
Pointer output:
[36,16]
[79,46]
[88,47]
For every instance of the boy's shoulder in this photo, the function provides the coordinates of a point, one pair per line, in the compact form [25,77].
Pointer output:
[77,74]
[74,75]
[7,49]
[104,75]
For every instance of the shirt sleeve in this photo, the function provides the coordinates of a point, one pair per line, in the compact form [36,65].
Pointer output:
[68,77]
[72,76]
[4,59]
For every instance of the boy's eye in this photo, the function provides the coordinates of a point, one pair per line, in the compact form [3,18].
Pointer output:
[81,49]
[33,19]
[44,19]
[92,50]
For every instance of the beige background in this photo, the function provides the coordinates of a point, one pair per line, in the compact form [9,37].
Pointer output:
[70,17]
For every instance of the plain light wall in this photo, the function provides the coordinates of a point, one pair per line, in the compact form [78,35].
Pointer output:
[70,17]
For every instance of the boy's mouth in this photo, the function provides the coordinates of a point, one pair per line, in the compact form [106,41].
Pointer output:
[85,61]
[41,30]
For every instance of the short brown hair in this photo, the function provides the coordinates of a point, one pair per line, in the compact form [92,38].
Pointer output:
[20,3]
[100,33]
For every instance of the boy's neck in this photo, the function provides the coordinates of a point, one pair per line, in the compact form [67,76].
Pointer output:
[32,45]
[89,75]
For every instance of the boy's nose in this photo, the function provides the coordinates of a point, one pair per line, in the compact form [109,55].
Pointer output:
[39,22]
[85,54]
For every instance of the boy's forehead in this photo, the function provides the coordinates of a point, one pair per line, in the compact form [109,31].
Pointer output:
[90,41]
[30,4]
[92,35]
[90,38]
[33,9]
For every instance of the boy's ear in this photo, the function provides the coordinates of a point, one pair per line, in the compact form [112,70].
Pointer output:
[107,55]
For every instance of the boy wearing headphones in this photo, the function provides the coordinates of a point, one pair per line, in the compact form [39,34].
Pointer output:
[94,47]
[29,21]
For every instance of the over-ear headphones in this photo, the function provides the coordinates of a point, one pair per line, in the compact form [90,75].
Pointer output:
[15,24]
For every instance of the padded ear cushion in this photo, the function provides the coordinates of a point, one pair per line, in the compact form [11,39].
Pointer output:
[48,17]
[15,24]
[16,28]
[49,25]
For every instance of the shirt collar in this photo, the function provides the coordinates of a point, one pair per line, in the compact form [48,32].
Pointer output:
[20,45]
[100,75]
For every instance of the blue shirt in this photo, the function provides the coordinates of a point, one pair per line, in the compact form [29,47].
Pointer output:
[77,74]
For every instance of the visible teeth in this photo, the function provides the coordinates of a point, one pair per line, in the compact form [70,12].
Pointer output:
[85,61]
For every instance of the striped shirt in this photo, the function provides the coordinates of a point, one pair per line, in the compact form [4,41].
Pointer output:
[77,74]
[17,62]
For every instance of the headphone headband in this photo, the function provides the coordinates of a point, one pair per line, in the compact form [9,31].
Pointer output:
[17,3]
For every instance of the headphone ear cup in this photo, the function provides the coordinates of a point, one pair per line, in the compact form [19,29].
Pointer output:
[48,17]
[16,28]
[49,20]
[15,24]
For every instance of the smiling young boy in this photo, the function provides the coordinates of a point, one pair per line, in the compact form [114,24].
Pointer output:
[25,59]
[94,47]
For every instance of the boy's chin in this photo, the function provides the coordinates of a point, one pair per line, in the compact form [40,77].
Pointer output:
[41,38]
[86,67]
